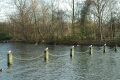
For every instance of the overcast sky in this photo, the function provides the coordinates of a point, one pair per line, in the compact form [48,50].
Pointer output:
[7,8]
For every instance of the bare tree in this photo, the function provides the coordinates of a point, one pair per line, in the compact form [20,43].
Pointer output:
[73,17]
[97,9]
[112,4]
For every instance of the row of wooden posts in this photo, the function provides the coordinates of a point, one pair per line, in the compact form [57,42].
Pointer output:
[46,53]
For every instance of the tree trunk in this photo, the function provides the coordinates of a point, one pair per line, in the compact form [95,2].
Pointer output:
[73,20]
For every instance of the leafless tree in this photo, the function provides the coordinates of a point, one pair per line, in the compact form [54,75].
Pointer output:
[98,9]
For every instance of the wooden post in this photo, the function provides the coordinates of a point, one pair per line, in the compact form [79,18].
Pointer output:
[104,48]
[91,49]
[116,48]
[0,70]
[9,58]
[46,54]
[72,52]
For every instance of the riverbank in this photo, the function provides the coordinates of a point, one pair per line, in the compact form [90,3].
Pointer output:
[87,42]
[80,42]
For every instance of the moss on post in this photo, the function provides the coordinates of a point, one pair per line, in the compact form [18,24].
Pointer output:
[46,54]
[91,49]
[9,58]
[115,48]
[72,52]
[104,48]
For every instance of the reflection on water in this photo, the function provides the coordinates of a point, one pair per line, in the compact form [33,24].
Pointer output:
[60,66]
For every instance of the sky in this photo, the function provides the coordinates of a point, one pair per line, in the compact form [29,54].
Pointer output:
[5,9]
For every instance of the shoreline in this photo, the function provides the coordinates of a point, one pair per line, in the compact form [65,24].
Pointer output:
[87,43]
[81,42]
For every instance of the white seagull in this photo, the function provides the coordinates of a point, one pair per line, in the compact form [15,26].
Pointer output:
[72,46]
[46,48]
[9,51]
[104,44]
[90,45]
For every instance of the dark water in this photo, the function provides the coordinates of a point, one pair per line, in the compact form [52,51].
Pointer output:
[29,64]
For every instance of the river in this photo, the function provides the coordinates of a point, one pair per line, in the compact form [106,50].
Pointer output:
[29,64]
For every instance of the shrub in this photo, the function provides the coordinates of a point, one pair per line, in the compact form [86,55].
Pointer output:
[5,36]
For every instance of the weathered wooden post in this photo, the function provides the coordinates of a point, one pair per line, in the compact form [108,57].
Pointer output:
[72,52]
[46,55]
[91,49]
[115,48]
[0,70]
[104,48]
[9,58]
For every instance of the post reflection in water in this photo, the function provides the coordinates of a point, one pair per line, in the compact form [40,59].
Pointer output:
[29,64]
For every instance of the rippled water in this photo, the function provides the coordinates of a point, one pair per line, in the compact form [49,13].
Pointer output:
[29,64]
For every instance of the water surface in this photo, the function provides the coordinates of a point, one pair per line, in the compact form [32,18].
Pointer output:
[29,64]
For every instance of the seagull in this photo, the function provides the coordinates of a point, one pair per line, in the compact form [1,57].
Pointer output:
[9,51]
[72,46]
[46,48]
[104,44]
[90,45]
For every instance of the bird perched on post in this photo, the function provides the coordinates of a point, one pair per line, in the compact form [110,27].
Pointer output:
[9,51]
[46,48]
[72,46]
[90,45]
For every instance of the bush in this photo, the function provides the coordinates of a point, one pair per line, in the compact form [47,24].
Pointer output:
[5,36]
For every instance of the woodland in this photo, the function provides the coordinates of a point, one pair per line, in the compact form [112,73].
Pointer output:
[63,22]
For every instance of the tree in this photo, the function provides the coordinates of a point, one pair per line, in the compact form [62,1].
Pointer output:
[98,7]
[111,8]
[23,9]
[73,18]
[26,20]
[84,13]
